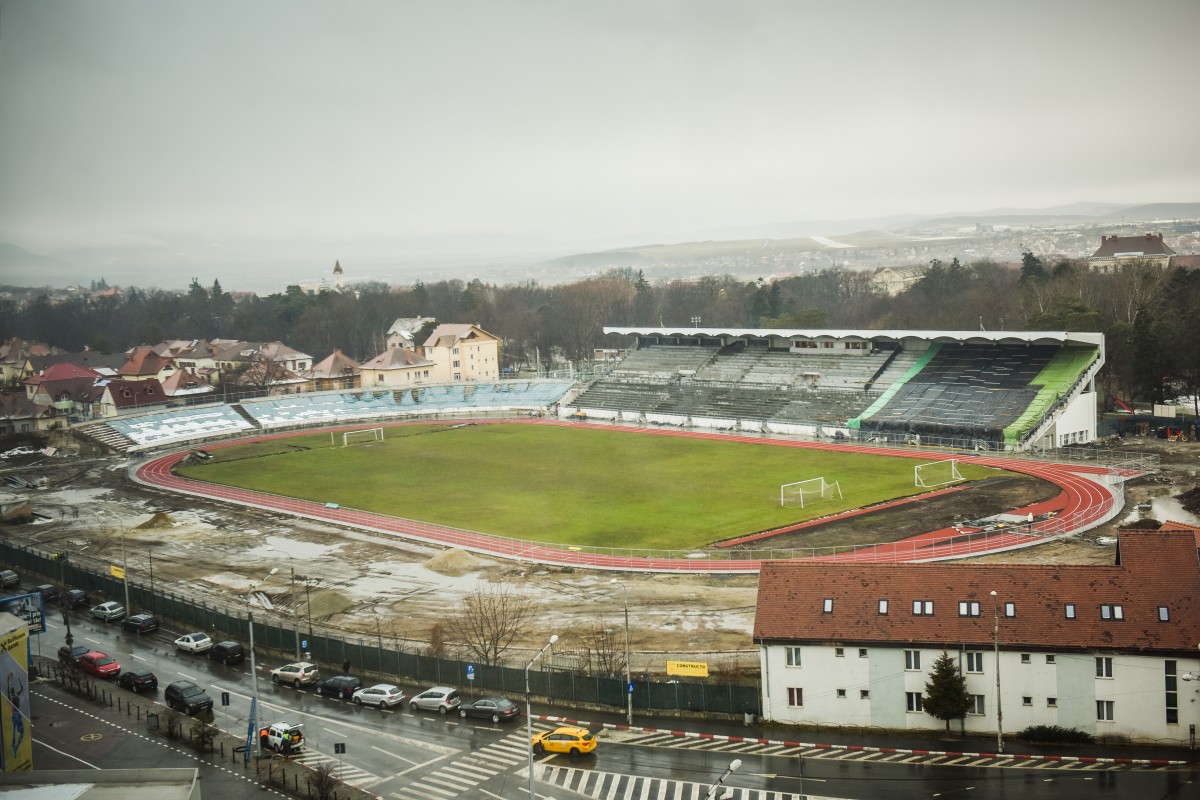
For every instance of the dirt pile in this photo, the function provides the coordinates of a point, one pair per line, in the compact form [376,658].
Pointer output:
[160,520]
[453,562]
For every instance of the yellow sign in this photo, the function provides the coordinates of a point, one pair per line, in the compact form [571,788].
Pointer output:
[117,572]
[693,669]
[16,733]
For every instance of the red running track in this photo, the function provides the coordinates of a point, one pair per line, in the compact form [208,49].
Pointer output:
[1082,502]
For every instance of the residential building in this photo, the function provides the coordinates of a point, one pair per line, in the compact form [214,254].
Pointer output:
[119,397]
[184,387]
[1115,251]
[145,364]
[1109,650]
[896,280]
[397,367]
[19,414]
[16,360]
[462,352]
[403,332]
[335,371]
[69,389]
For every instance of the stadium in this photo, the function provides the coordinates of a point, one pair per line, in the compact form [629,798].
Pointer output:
[1022,402]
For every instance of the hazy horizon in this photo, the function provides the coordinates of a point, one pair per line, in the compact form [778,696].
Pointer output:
[535,127]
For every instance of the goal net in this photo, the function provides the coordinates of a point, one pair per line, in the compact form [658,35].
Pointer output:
[936,473]
[359,437]
[806,492]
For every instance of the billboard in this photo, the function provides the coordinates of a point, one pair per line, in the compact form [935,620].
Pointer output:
[16,737]
[29,607]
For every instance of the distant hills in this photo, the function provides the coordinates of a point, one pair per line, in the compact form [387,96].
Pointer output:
[270,266]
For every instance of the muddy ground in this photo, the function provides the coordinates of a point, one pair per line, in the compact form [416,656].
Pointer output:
[384,587]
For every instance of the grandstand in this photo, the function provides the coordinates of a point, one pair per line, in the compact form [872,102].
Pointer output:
[200,423]
[979,389]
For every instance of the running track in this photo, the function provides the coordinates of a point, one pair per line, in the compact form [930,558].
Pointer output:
[1084,502]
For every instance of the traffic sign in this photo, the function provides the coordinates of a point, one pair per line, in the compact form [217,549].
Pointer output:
[470,672]
[339,748]
[629,688]
[224,698]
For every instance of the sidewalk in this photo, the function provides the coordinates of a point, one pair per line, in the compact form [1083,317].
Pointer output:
[1134,756]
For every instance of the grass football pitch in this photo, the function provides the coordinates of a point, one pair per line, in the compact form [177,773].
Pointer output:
[569,486]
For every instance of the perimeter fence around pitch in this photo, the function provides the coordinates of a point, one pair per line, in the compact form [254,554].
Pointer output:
[385,656]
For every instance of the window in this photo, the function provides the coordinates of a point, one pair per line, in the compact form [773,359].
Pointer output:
[454,351]
[1010,609]
[1172,692]
[793,656]
[1050,658]
[1111,612]
[1051,702]
[841,693]
[827,605]
[862,652]
[1104,710]
[976,705]
[883,606]
[912,659]
[974,662]
[795,697]
[456,365]
[839,652]
[913,701]
[1104,667]
[922,608]
[1164,615]
[1025,658]
[1070,611]
[864,694]
[967,608]
[1026,701]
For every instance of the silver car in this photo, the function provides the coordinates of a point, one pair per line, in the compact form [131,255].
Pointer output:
[108,611]
[442,699]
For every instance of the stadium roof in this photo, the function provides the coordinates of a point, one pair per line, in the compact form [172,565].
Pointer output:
[965,337]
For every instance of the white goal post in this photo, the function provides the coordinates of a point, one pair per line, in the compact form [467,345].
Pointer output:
[936,473]
[808,491]
[360,436]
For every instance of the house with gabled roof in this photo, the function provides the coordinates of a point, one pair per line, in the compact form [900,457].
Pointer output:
[19,414]
[335,371]
[1109,650]
[119,397]
[397,367]
[462,352]
[403,332]
[144,364]
[67,388]
[1115,251]
[184,386]
[17,359]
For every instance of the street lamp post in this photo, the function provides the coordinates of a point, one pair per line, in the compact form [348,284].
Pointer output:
[733,767]
[628,693]
[529,711]
[253,664]
[292,598]
[996,645]
[125,572]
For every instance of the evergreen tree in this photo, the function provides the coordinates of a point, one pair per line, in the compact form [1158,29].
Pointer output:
[946,694]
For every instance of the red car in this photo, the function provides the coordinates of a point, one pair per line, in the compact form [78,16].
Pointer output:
[99,664]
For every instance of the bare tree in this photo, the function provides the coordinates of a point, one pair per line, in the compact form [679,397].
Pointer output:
[490,621]
[604,649]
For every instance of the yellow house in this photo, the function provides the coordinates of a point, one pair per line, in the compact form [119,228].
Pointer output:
[462,352]
[396,366]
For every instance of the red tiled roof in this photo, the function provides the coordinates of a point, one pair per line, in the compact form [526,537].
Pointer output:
[397,358]
[336,365]
[143,361]
[62,372]
[1155,568]
[135,394]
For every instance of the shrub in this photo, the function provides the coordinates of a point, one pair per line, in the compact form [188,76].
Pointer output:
[1054,733]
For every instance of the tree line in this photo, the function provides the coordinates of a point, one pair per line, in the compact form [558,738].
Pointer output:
[1147,314]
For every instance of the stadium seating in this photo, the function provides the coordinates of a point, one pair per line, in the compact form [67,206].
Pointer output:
[193,423]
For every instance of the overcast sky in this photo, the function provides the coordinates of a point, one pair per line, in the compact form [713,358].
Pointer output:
[127,120]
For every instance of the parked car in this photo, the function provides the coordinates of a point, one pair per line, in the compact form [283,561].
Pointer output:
[343,686]
[102,665]
[187,697]
[141,623]
[194,643]
[48,592]
[138,680]
[383,695]
[568,739]
[9,579]
[296,675]
[74,598]
[497,709]
[227,652]
[70,654]
[442,699]
[109,611]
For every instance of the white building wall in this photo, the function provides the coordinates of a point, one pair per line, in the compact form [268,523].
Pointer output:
[1077,422]
[1061,688]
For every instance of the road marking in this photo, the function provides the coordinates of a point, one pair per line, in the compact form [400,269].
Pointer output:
[68,755]
[185,675]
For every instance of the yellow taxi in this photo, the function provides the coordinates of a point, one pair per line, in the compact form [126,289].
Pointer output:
[567,739]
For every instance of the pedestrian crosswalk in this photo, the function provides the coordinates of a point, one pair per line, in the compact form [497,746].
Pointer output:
[601,785]
[491,764]
[352,776]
